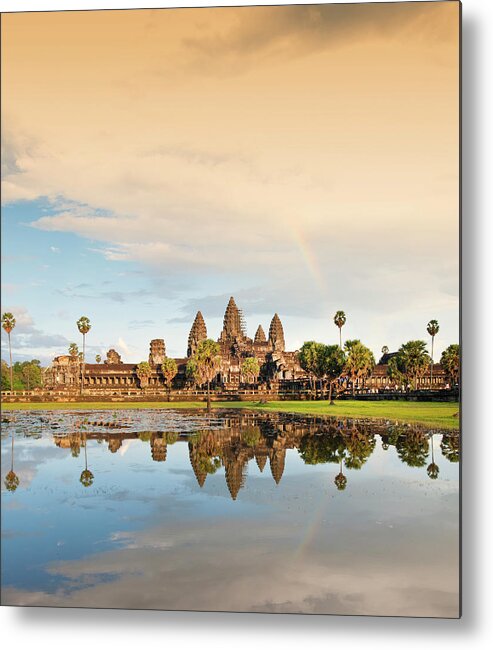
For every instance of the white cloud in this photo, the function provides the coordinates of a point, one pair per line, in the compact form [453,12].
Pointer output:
[232,182]
[29,341]
[122,346]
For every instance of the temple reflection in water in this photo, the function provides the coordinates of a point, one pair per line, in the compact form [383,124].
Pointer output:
[234,440]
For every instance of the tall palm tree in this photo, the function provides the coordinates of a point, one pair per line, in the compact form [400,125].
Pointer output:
[359,361]
[169,369]
[308,359]
[330,366]
[250,369]
[432,328]
[144,371]
[413,360]
[205,364]
[84,325]
[450,361]
[340,321]
[8,324]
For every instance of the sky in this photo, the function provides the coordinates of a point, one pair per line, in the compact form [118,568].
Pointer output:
[303,159]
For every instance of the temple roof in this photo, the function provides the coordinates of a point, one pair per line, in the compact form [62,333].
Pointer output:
[276,333]
[198,333]
[260,335]
[232,324]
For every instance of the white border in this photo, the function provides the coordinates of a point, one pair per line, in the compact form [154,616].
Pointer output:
[125,630]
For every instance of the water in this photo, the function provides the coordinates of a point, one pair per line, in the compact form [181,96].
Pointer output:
[240,511]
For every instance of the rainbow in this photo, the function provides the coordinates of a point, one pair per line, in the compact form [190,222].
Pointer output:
[310,260]
[313,526]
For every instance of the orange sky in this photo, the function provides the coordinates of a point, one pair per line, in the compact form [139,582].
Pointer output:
[308,137]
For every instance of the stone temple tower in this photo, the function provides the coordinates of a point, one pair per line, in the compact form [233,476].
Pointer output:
[276,334]
[260,335]
[197,334]
[157,352]
[233,327]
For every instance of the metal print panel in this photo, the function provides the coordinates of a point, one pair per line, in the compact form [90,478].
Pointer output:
[230,309]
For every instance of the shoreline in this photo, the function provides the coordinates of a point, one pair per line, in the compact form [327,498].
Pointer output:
[430,414]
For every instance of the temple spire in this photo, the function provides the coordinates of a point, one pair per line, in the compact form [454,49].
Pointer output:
[260,335]
[197,334]
[233,322]
[276,334]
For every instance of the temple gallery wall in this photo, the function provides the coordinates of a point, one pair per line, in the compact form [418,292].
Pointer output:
[280,369]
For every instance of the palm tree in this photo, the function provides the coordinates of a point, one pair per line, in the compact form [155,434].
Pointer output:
[432,329]
[340,321]
[98,358]
[250,369]
[330,366]
[394,372]
[8,324]
[413,360]
[359,361]
[450,361]
[144,371]
[73,350]
[84,325]
[169,370]
[205,364]
[308,359]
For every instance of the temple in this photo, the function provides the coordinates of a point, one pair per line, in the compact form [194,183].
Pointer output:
[280,370]
[115,376]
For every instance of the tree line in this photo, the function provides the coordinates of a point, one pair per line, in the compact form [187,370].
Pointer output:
[25,375]
[329,365]
[352,363]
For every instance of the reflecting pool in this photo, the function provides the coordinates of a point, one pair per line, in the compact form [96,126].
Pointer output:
[238,511]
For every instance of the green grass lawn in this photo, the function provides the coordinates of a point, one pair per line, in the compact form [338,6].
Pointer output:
[432,414]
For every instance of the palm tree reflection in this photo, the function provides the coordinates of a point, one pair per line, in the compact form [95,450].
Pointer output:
[340,480]
[11,479]
[86,477]
[432,470]
[450,447]
[413,448]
